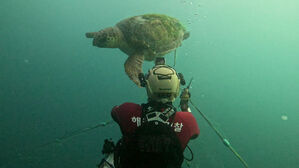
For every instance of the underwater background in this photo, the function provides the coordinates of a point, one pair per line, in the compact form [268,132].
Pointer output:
[243,56]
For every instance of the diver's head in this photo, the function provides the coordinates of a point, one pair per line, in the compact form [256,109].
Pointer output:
[107,38]
[162,84]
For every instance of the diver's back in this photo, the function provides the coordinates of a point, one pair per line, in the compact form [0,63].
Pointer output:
[153,145]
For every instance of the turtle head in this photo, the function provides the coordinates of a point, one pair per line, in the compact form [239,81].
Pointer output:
[107,38]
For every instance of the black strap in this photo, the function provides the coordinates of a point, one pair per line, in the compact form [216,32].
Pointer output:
[191,155]
[154,106]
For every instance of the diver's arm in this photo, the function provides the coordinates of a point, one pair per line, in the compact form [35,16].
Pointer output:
[184,106]
[193,126]
[185,96]
[114,113]
[194,136]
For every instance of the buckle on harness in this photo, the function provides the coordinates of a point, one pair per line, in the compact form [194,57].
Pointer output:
[156,116]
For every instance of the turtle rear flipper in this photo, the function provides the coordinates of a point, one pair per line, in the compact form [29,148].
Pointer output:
[133,67]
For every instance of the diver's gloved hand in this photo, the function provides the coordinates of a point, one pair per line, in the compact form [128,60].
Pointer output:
[108,146]
[185,97]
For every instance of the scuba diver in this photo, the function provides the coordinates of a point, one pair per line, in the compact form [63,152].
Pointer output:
[154,134]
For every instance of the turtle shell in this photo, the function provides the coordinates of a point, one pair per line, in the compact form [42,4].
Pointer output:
[153,34]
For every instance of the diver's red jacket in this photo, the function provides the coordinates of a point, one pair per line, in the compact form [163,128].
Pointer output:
[128,117]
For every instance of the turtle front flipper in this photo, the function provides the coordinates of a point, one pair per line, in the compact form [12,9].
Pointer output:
[133,67]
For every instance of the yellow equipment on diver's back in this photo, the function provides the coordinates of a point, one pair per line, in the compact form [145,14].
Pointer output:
[162,84]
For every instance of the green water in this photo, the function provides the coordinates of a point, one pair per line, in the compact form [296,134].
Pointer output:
[243,56]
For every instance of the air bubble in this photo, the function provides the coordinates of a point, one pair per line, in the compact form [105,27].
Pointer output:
[284,117]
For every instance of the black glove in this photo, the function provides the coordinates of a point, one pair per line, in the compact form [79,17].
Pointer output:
[185,96]
[108,146]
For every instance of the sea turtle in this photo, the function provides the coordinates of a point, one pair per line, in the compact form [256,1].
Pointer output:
[143,37]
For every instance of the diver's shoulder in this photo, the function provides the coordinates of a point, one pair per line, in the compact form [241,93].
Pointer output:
[130,105]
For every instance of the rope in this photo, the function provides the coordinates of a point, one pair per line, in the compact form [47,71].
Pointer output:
[224,140]
[76,133]
[58,140]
